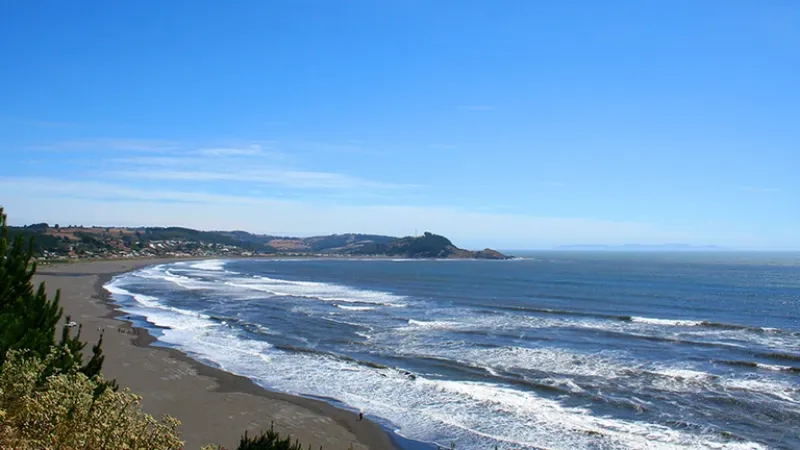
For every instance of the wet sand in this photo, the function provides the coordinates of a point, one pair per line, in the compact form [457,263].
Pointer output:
[214,406]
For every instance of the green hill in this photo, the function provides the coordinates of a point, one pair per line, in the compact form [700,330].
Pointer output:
[76,242]
[431,245]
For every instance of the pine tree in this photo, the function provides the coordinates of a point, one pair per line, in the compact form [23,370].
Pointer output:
[92,368]
[28,319]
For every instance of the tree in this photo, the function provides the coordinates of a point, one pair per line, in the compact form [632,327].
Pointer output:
[28,318]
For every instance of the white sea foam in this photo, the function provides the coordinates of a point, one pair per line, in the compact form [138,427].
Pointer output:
[692,380]
[355,308]
[745,339]
[564,383]
[788,392]
[263,329]
[646,327]
[770,337]
[773,367]
[151,272]
[434,324]
[151,303]
[164,273]
[214,265]
[604,367]
[551,424]
[667,322]
[186,282]
[193,332]
[488,324]
[638,327]
[364,335]
[685,374]
[553,361]
[328,292]
[114,289]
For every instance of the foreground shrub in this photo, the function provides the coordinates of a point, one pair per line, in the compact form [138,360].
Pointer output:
[270,440]
[70,411]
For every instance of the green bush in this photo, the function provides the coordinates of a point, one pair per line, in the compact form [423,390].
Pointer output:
[64,411]
[269,440]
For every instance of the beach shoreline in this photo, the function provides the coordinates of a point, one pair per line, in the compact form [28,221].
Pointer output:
[213,405]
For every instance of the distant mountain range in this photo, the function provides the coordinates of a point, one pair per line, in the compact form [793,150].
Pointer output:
[641,247]
[76,242]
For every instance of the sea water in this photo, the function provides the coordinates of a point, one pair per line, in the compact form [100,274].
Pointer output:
[554,350]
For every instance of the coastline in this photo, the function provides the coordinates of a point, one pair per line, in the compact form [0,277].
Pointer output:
[213,405]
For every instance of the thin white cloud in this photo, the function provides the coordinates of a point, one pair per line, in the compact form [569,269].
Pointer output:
[157,161]
[252,150]
[92,203]
[120,145]
[350,147]
[57,188]
[220,148]
[296,179]
[760,190]
[237,166]
[256,163]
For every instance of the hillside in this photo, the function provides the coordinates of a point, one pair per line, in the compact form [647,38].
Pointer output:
[431,245]
[54,242]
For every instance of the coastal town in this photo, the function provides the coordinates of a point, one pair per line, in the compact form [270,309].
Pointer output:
[55,243]
[153,249]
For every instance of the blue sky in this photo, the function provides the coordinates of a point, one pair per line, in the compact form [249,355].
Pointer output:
[515,124]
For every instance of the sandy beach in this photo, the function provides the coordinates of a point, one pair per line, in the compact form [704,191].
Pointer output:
[214,406]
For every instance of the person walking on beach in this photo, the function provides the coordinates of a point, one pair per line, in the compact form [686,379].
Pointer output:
[360,416]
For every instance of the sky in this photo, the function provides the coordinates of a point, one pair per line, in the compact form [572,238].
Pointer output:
[505,123]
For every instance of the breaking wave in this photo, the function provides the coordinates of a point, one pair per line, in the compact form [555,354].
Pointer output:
[215,265]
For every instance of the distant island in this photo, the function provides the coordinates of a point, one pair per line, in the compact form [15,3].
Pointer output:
[78,242]
[643,247]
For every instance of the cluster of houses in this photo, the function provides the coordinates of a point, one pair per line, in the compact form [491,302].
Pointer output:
[153,249]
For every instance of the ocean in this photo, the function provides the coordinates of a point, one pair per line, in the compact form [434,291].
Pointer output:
[555,350]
